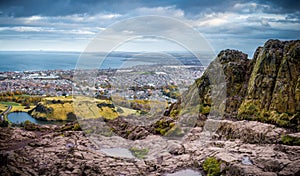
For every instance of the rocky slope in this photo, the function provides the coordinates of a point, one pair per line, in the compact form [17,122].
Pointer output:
[242,147]
[265,88]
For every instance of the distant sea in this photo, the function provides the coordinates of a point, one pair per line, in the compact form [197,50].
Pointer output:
[41,60]
[38,61]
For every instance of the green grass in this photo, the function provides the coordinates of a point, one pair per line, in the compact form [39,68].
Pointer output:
[23,95]
[9,103]
[16,107]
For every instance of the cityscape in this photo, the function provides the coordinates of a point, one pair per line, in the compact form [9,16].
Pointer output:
[59,82]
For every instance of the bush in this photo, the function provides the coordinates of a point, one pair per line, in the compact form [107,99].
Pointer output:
[290,140]
[76,127]
[175,131]
[205,110]
[212,166]
[4,123]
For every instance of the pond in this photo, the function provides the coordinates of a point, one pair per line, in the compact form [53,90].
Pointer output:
[19,117]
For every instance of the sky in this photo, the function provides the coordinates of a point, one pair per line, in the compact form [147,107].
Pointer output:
[69,25]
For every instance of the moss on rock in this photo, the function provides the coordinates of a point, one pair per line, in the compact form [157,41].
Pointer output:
[212,166]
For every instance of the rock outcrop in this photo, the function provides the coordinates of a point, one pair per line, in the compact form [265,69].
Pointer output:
[265,88]
[273,93]
[236,68]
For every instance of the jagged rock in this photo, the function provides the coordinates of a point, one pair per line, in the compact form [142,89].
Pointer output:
[176,149]
[236,68]
[127,130]
[273,92]
[266,88]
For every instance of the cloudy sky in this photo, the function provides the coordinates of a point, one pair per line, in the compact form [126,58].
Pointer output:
[69,25]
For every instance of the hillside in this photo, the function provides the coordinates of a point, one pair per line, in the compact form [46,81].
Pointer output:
[265,88]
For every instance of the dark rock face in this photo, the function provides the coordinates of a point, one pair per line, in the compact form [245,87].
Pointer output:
[273,92]
[266,88]
[236,69]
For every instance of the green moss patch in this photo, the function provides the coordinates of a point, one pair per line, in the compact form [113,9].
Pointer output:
[212,166]
[140,153]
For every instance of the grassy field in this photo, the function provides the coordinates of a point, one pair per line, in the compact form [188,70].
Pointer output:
[9,103]
[126,111]
[61,98]
[21,108]
[84,107]
[16,107]
[61,107]
[89,110]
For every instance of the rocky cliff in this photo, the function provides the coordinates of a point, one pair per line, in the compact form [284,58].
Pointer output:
[236,68]
[273,91]
[266,88]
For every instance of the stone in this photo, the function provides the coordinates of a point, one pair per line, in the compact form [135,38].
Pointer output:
[176,149]
[291,169]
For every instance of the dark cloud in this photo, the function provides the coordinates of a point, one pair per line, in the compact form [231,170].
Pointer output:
[61,7]
[20,8]
[234,22]
[284,6]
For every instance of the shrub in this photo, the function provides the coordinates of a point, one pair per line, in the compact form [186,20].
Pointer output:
[212,166]
[4,123]
[76,127]
[31,126]
[290,140]
[204,109]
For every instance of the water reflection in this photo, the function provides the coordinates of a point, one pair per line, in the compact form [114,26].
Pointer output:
[19,117]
